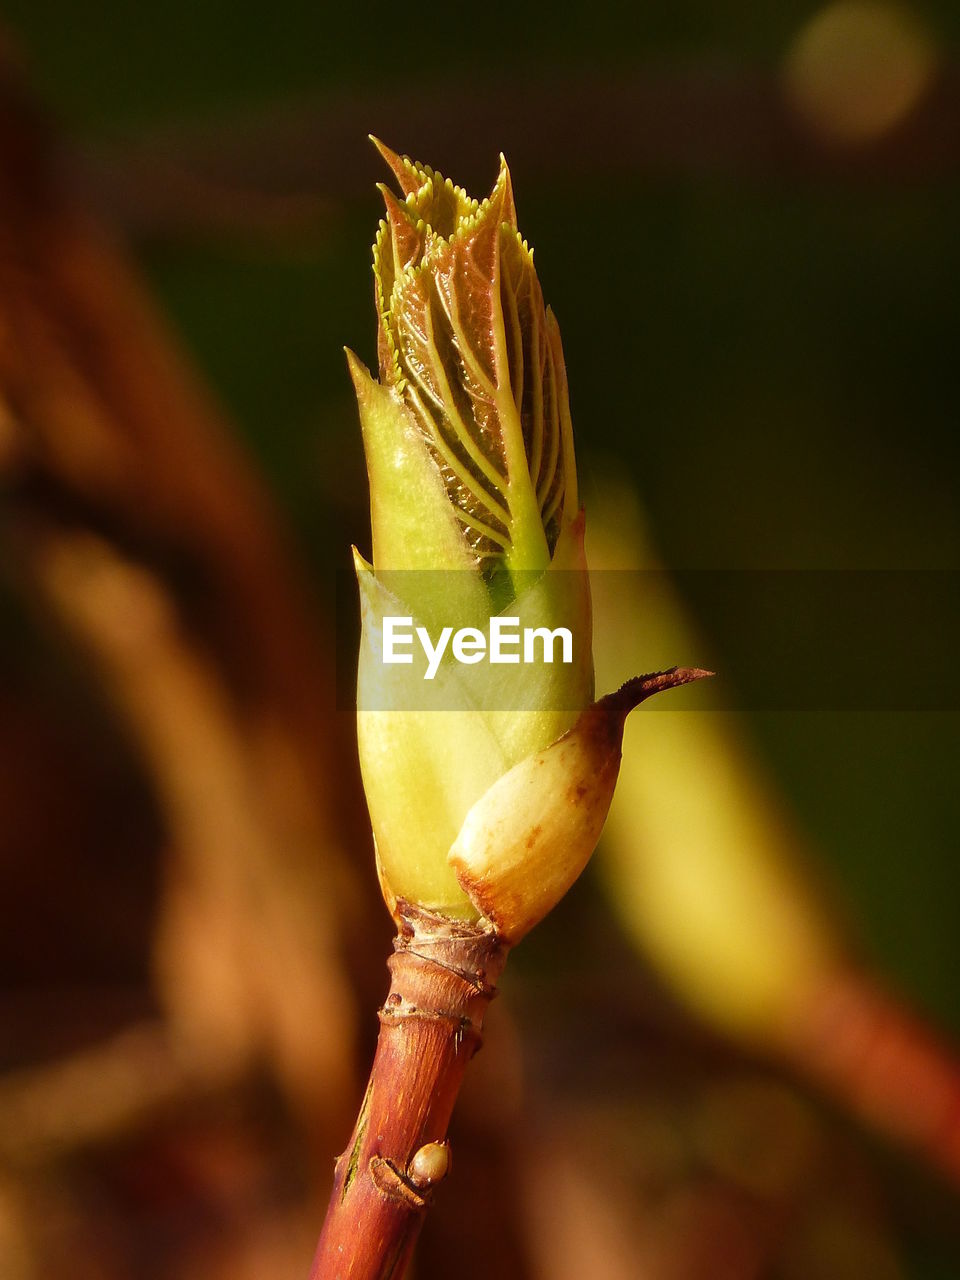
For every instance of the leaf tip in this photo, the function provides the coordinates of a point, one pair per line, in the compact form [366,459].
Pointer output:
[399,166]
[509,202]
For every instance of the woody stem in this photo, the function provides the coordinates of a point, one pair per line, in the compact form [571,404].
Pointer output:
[442,976]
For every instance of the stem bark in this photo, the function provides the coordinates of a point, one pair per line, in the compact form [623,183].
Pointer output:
[442,979]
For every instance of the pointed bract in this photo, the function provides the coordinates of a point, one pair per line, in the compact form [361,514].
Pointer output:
[528,838]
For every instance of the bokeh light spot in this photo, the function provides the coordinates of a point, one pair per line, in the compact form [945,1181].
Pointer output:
[858,68]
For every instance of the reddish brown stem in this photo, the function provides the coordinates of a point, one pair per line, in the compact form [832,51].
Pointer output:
[873,1053]
[442,976]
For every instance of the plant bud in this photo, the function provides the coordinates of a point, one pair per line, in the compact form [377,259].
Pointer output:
[530,835]
[474,514]
[487,788]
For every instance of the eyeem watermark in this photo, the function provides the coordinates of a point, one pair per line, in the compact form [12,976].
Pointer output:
[506,643]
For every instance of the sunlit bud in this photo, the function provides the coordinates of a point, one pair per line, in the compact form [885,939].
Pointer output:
[474,513]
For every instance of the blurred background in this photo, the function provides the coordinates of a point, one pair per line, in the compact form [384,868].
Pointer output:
[728,1053]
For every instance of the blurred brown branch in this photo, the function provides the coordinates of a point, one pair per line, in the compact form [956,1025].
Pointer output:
[49,1111]
[722,890]
[130,511]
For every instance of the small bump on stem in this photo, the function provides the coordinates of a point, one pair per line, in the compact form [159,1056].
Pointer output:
[430,1165]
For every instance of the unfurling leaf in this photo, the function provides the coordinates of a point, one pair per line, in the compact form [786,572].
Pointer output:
[469,349]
